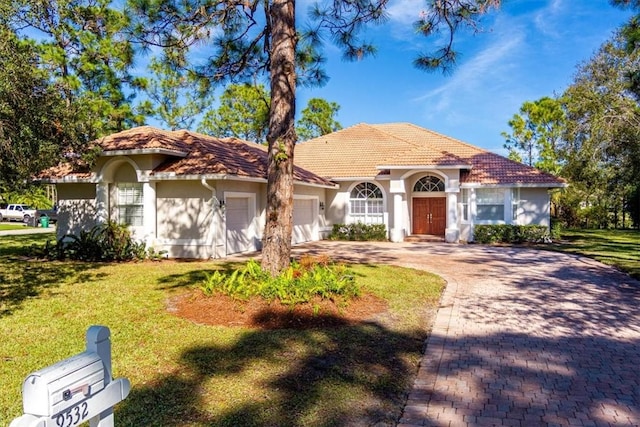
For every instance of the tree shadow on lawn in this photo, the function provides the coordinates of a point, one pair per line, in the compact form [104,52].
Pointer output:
[349,375]
[24,277]
[188,279]
[27,279]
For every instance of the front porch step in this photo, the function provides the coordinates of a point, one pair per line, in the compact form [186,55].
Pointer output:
[423,238]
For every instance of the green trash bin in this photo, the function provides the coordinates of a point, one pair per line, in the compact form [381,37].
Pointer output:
[44,221]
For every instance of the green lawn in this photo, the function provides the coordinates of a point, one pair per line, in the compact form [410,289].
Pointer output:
[12,226]
[183,374]
[619,248]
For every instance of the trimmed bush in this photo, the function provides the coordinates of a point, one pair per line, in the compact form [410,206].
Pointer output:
[506,233]
[103,243]
[359,232]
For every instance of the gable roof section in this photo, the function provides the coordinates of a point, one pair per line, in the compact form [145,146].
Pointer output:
[368,151]
[352,152]
[190,155]
[145,140]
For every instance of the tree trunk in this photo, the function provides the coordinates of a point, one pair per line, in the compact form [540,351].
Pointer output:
[276,243]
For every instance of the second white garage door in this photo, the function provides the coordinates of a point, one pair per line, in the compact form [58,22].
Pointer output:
[303,220]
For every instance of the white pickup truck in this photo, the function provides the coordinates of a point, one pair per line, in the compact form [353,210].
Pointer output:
[17,212]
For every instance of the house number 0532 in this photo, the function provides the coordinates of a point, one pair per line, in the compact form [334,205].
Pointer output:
[73,416]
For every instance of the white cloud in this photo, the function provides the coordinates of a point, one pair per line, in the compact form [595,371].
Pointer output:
[547,20]
[490,66]
[405,12]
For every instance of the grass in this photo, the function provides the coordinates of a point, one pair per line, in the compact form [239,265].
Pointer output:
[619,248]
[183,374]
[12,226]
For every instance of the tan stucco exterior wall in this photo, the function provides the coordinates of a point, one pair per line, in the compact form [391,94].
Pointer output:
[184,210]
[76,208]
[534,207]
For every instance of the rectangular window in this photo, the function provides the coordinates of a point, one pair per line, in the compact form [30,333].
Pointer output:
[464,205]
[130,204]
[367,211]
[490,204]
[375,215]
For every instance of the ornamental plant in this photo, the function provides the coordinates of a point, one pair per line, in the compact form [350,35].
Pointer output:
[300,283]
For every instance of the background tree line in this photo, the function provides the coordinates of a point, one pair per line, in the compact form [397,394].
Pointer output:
[589,135]
[67,78]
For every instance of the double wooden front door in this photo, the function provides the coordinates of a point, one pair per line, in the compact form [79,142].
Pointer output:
[430,215]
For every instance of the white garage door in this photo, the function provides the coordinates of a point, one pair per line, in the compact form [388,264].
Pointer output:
[303,220]
[238,222]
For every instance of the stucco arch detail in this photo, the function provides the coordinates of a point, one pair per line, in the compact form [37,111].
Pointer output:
[109,169]
[356,183]
[415,176]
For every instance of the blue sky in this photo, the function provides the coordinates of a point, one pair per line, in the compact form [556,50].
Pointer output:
[528,49]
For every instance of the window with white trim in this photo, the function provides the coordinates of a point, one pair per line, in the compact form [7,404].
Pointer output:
[366,204]
[429,184]
[464,204]
[490,204]
[130,204]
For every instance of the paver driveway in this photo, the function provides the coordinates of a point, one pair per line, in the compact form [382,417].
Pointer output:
[522,337]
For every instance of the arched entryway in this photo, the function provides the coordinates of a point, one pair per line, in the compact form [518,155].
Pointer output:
[429,210]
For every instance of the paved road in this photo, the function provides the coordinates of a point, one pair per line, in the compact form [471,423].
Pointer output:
[28,230]
[522,337]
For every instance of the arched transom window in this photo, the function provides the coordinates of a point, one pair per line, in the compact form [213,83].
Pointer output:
[429,184]
[366,204]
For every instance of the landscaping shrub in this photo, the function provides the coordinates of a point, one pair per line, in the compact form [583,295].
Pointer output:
[506,233]
[359,231]
[105,242]
[300,283]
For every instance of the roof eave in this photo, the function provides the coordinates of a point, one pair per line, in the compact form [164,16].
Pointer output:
[356,178]
[68,179]
[425,167]
[513,185]
[317,185]
[139,151]
[172,176]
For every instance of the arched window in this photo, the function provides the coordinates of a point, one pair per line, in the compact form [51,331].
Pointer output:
[429,184]
[366,204]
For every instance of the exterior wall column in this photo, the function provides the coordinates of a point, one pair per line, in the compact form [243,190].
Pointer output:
[452,232]
[508,206]
[219,225]
[397,231]
[473,212]
[102,202]
[149,212]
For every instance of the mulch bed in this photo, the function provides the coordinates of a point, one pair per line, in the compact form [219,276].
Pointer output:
[257,313]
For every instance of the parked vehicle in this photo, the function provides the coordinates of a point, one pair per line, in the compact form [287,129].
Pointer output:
[52,214]
[17,212]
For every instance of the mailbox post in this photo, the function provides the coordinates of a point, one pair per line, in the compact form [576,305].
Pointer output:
[75,390]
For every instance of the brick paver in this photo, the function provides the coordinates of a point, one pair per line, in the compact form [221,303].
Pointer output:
[522,337]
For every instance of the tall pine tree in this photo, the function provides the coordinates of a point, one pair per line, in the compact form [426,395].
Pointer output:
[251,37]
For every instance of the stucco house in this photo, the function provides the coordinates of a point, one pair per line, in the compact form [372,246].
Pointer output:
[197,196]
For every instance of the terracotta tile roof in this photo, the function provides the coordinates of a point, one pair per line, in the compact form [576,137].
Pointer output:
[145,138]
[352,152]
[195,155]
[367,150]
[490,168]
[64,170]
